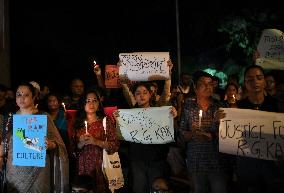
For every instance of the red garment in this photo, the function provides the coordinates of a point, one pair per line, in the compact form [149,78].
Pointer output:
[89,161]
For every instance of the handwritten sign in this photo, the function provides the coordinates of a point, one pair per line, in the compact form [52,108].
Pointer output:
[112,76]
[29,133]
[112,170]
[152,125]
[144,66]
[271,49]
[252,133]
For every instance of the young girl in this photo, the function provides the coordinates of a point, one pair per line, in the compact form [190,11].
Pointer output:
[91,140]
[147,161]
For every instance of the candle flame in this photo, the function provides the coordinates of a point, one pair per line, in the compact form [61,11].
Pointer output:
[95,62]
[200,117]
[86,127]
[64,106]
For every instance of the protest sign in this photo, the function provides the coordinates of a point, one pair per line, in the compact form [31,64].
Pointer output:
[112,76]
[29,132]
[271,49]
[153,125]
[252,133]
[144,66]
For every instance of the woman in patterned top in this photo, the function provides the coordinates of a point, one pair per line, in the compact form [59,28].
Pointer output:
[91,140]
[54,176]
[206,165]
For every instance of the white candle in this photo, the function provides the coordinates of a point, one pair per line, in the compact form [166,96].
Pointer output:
[200,118]
[86,127]
[234,98]
[104,124]
[64,106]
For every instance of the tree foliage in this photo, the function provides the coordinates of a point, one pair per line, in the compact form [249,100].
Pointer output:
[243,28]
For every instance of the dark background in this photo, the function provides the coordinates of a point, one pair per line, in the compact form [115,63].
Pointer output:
[53,42]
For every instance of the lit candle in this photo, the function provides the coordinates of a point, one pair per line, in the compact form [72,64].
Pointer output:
[64,106]
[96,66]
[200,118]
[86,127]
[104,124]
[234,98]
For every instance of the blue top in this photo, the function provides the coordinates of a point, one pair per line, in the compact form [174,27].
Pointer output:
[61,124]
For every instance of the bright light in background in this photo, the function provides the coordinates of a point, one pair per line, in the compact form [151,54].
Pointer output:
[223,79]
[221,75]
[210,71]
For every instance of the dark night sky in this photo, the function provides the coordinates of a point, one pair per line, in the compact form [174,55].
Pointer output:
[55,42]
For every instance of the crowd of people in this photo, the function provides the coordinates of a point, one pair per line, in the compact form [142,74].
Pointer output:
[74,156]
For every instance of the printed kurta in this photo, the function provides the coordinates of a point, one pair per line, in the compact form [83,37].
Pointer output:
[90,157]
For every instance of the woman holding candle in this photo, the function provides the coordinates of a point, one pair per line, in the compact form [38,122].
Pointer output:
[199,128]
[231,93]
[57,114]
[91,140]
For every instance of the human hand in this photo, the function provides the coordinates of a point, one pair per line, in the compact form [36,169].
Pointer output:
[49,144]
[219,114]
[170,65]
[173,112]
[124,79]
[115,114]
[97,70]
[89,140]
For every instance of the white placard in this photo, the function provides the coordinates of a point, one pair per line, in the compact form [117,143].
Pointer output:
[153,125]
[252,133]
[144,66]
[271,49]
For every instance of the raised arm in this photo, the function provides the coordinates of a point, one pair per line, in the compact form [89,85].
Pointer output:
[128,95]
[166,94]
[98,73]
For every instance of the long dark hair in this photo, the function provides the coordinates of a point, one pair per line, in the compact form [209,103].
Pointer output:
[57,96]
[147,85]
[81,113]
